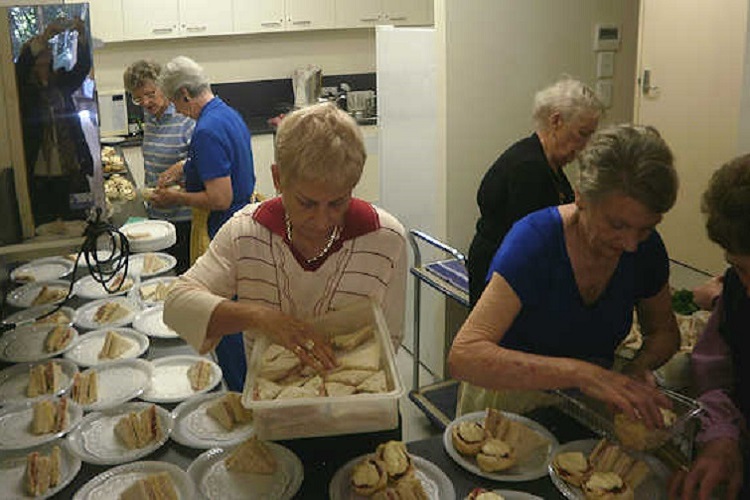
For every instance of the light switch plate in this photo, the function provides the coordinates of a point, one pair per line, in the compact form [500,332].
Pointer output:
[605,64]
[604,92]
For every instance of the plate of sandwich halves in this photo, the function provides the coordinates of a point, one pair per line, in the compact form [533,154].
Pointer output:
[602,469]
[35,343]
[253,470]
[212,420]
[41,472]
[499,445]
[36,422]
[122,434]
[390,470]
[176,378]
[32,381]
[137,481]
[110,384]
[107,345]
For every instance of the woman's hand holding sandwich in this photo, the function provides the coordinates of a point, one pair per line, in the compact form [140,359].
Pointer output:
[312,348]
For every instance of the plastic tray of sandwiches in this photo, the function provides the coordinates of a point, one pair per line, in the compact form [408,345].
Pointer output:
[361,395]
[632,434]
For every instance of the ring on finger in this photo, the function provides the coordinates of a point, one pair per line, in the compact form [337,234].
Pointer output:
[309,344]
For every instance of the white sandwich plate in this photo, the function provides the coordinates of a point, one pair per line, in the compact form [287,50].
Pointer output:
[193,427]
[135,265]
[151,322]
[26,343]
[95,442]
[139,293]
[119,382]
[88,288]
[215,481]
[149,235]
[85,314]
[86,350]
[36,315]
[14,381]
[15,425]
[170,383]
[112,483]
[24,296]
[13,469]
[46,269]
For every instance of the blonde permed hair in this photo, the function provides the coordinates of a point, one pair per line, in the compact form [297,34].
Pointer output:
[321,144]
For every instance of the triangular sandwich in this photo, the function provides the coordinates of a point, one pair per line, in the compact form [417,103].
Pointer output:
[115,345]
[252,456]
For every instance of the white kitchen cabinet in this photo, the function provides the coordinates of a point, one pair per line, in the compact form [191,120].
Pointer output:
[198,17]
[365,13]
[144,19]
[148,19]
[282,15]
[106,20]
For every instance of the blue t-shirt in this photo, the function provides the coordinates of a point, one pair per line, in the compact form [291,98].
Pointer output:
[220,147]
[554,320]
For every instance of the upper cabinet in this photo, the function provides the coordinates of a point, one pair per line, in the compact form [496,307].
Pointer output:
[365,13]
[116,20]
[106,20]
[144,19]
[282,15]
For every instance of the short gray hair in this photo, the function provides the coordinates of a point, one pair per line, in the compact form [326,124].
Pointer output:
[631,160]
[320,143]
[140,72]
[568,97]
[183,73]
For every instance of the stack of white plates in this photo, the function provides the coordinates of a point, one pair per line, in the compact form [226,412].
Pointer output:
[150,235]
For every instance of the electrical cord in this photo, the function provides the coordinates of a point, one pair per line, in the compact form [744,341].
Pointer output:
[102,270]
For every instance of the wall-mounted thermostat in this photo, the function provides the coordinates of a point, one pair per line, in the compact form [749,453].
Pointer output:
[606,37]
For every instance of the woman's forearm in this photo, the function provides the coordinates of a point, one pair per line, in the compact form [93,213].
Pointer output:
[230,317]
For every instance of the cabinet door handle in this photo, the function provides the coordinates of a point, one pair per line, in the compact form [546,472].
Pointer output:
[197,28]
[271,24]
[159,31]
[397,18]
[369,19]
[302,23]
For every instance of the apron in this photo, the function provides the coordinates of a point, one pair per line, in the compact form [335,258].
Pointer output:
[199,239]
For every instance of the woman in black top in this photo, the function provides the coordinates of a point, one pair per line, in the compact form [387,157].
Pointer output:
[528,176]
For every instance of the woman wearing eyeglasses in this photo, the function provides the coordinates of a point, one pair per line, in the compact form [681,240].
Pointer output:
[166,137]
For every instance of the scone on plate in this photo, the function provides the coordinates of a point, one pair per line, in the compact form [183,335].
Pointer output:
[157,486]
[369,476]
[495,455]
[468,437]
[252,456]
[85,390]
[633,434]
[606,486]
[199,375]
[42,472]
[229,412]
[482,494]
[138,430]
[58,338]
[49,417]
[572,467]
[44,379]
[408,488]
[115,345]
[398,462]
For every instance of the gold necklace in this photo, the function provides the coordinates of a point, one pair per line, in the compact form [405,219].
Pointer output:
[335,234]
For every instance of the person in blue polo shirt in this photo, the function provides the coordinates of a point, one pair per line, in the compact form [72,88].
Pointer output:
[219,176]
[166,136]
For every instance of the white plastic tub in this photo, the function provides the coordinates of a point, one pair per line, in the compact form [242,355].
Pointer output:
[328,416]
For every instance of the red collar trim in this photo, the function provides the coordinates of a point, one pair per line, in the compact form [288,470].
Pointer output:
[361,219]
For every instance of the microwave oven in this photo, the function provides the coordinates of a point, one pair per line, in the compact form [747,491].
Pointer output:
[113,114]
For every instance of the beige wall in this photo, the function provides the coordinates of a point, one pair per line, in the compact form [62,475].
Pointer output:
[498,54]
[4,146]
[246,57]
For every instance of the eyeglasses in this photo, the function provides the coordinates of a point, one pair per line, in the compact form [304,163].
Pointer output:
[147,95]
